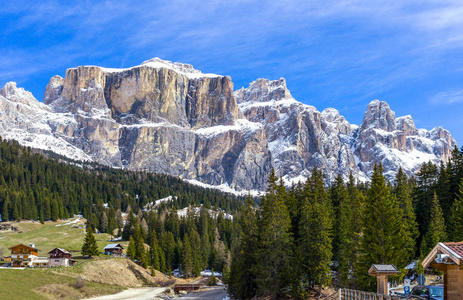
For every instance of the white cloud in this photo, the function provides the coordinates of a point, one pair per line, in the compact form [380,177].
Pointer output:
[448,97]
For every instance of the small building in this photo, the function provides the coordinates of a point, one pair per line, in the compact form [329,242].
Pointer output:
[60,258]
[26,256]
[448,258]
[382,272]
[113,249]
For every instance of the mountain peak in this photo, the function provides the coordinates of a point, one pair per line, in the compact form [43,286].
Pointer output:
[379,116]
[11,92]
[263,90]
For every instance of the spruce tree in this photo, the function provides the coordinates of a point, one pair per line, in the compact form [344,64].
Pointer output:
[315,249]
[131,248]
[90,248]
[436,230]
[275,242]
[383,231]
[242,281]
[404,199]
[455,229]
[349,230]
[5,213]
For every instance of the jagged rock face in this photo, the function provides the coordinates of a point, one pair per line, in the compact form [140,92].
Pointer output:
[160,116]
[54,89]
[397,143]
[170,118]
[300,138]
[264,90]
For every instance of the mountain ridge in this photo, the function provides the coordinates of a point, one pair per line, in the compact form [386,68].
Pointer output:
[169,118]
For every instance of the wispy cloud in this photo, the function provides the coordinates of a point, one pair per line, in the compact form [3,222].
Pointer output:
[448,97]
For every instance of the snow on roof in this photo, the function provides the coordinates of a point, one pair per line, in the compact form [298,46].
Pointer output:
[113,246]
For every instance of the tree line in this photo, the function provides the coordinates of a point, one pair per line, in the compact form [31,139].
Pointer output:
[310,235]
[36,187]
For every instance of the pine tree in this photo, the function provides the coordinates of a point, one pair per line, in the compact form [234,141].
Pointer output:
[315,249]
[154,248]
[455,229]
[131,248]
[436,230]
[139,246]
[242,281]
[383,230]
[187,257]
[410,233]
[90,248]
[54,210]
[349,233]
[104,223]
[5,213]
[275,242]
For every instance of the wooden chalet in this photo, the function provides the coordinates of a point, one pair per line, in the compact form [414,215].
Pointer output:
[113,249]
[60,258]
[26,256]
[448,258]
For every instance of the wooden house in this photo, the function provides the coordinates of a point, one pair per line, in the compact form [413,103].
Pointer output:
[26,256]
[113,249]
[60,258]
[448,258]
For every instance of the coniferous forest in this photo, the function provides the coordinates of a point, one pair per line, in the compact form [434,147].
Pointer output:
[295,240]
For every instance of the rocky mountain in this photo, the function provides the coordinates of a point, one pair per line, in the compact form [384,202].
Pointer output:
[170,118]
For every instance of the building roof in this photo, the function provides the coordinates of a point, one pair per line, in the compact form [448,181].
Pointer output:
[457,248]
[382,270]
[113,246]
[29,247]
[61,250]
[453,253]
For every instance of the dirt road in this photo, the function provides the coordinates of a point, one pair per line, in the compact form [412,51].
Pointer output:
[134,294]
[210,293]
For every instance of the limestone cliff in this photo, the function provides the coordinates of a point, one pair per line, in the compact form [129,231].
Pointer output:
[170,118]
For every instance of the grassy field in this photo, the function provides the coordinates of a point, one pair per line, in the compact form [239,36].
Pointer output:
[102,275]
[45,284]
[68,234]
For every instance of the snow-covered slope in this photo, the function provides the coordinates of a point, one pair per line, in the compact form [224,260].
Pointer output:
[300,137]
[170,118]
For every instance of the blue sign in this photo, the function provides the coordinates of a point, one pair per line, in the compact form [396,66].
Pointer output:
[421,280]
[406,290]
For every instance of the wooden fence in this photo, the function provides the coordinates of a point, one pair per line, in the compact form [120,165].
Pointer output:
[186,287]
[345,294]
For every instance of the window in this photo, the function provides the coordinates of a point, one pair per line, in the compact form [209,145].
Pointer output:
[56,260]
[436,292]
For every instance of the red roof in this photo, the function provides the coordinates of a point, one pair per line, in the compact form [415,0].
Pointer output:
[456,247]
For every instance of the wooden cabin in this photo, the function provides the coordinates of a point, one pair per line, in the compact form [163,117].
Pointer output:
[23,256]
[60,258]
[448,258]
[113,249]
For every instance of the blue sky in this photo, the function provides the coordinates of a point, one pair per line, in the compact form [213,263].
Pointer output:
[340,54]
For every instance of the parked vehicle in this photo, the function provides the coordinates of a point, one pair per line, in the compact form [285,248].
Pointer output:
[429,292]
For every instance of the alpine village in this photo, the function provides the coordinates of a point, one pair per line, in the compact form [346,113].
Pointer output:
[155,180]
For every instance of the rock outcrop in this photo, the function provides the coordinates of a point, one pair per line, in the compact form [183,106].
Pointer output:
[170,118]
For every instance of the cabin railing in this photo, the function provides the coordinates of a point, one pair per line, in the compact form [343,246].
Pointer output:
[346,294]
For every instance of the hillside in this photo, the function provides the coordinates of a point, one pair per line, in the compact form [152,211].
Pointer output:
[34,186]
[68,234]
